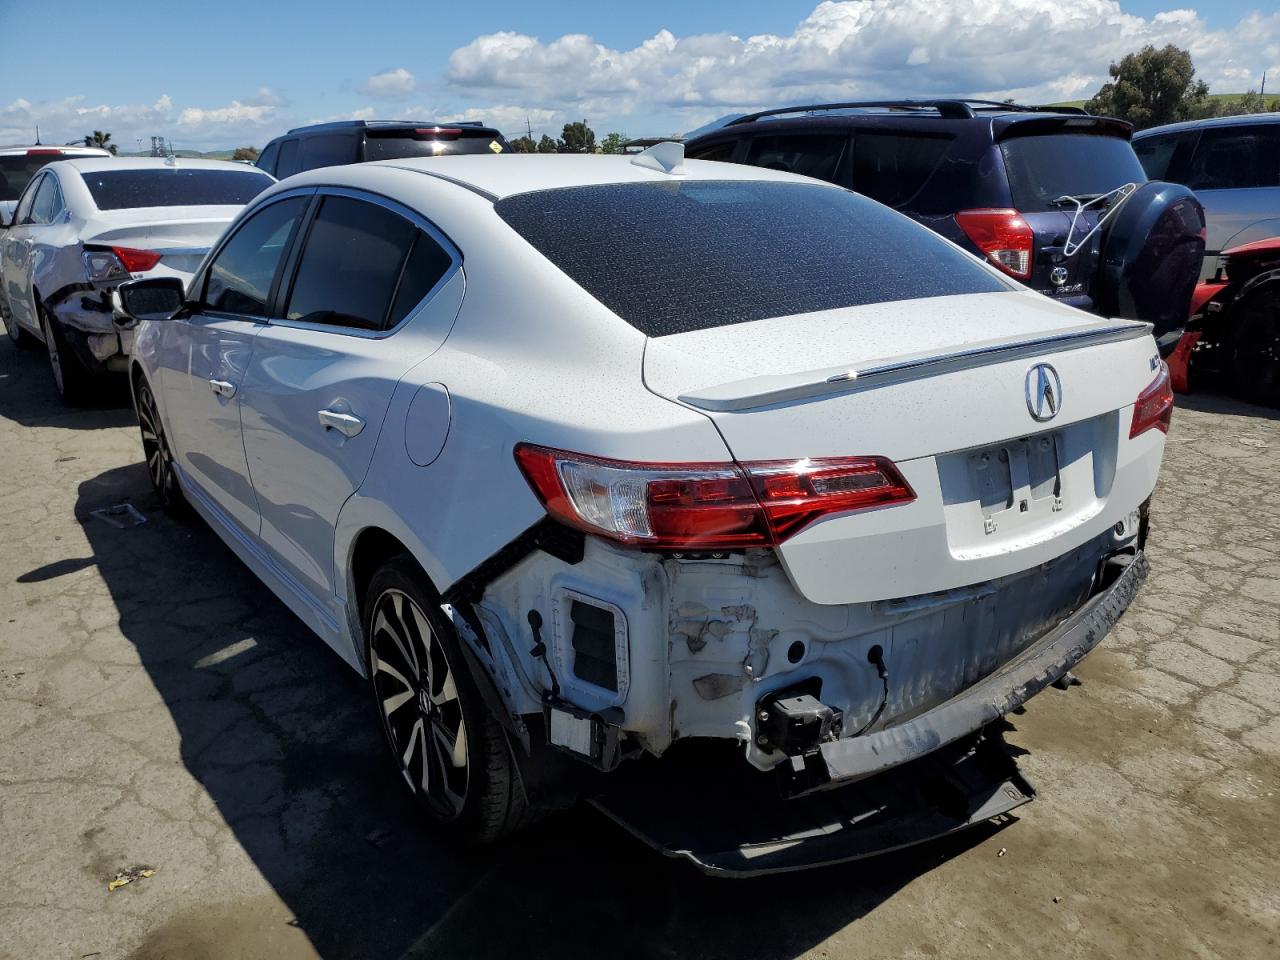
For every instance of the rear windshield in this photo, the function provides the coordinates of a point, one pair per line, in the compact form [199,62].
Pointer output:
[16,172]
[674,257]
[1045,168]
[125,189]
[400,144]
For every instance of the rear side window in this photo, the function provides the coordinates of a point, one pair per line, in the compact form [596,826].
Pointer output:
[402,143]
[892,168]
[1165,157]
[241,275]
[675,257]
[722,152]
[267,161]
[1043,169]
[178,187]
[351,264]
[811,155]
[1232,158]
[427,264]
[287,165]
[48,201]
[327,151]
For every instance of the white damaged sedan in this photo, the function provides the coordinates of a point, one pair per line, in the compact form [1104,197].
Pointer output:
[583,461]
[82,226]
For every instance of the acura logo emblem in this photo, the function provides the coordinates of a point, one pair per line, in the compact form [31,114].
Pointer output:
[1044,392]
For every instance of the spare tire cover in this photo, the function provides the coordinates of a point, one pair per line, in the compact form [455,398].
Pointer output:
[1151,254]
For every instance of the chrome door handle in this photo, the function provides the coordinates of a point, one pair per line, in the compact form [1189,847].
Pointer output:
[223,388]
[347,424]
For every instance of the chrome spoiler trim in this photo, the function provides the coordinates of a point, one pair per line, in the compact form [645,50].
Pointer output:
[755,392]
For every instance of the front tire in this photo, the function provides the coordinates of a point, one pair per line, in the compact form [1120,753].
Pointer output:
[156,453]
[1256,365]
[449,748]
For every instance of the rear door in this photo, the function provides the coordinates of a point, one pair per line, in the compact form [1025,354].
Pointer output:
[16,261]
[368,278]
[38,240]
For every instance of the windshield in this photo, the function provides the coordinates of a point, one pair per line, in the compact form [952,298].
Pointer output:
[674,257]
[400,144]
[16,172]
[1042,169]
[126,189]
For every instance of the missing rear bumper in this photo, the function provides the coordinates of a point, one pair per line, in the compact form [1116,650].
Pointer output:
[1044,661]
[728,820]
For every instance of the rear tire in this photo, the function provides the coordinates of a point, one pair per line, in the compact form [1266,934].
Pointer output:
[449,748]
[1256,347]
[19,337]
[72,381]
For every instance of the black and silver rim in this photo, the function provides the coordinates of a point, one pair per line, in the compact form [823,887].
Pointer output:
[51,344]
[421,713]
[154,449]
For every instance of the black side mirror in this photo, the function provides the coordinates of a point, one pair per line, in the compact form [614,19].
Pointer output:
[153,298]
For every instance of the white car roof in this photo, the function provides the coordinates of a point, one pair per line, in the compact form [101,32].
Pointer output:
[515,173]
[101,164]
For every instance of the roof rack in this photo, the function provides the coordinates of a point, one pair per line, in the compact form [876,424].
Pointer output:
[948,109]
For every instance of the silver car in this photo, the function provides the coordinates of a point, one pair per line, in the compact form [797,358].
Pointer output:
[1233,165]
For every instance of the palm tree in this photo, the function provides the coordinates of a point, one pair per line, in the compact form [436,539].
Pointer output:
[100,139]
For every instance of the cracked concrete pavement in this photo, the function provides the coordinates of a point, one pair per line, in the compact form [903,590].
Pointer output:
[159,708]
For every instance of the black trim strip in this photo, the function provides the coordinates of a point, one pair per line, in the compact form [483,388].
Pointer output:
[546,535]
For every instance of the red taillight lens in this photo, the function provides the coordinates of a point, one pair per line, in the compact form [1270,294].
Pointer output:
[1154,408]
[704,506]
[1004,236]
[136,261]
[44,152]
[437,132]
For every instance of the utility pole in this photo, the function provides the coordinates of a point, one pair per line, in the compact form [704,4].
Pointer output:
[1264,83]
[528,127]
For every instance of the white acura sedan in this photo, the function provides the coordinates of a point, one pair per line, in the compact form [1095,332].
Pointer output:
[607,457]
[83,226]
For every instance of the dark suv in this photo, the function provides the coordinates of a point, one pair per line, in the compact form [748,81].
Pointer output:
[360,141]
[1000,181]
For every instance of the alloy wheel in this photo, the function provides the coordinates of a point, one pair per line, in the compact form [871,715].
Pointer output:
[154,448]
[51,345]
[421,713]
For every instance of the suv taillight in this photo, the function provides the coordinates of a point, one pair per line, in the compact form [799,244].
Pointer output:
[1154,406]
[1004,236]
[704,506]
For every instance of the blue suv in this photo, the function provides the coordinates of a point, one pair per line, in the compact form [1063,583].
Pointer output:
[1024,187]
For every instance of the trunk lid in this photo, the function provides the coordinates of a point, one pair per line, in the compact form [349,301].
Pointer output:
[181,235]
[940,387]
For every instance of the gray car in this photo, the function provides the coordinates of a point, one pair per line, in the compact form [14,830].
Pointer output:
[1233,165]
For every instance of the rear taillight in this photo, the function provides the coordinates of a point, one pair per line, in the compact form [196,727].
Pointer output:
[1003,236]
[704,506]
[116,263]
[1154,407]
[136,261]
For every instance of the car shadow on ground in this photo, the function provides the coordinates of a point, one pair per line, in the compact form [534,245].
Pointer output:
[28,396]
[1220,403]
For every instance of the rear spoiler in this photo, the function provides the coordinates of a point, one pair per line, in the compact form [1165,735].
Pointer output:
[755,392]
[1033,126]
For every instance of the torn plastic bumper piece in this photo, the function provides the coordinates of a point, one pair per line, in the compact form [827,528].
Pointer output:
[729,820]
[1044,661]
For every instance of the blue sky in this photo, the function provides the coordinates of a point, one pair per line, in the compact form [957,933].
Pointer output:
[230,71]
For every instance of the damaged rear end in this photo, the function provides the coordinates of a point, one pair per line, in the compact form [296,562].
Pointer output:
[928,510]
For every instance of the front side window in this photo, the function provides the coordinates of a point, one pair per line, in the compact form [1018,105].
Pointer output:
[810,155]
[675,257]
[351,264]
[892,168]
[241,275]
[23,213]
[1233,158]
[176,187]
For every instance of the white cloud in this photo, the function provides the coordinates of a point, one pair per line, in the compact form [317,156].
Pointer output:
[390,85]
[1035,50]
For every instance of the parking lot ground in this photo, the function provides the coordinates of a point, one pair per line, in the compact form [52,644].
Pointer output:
[160,709]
